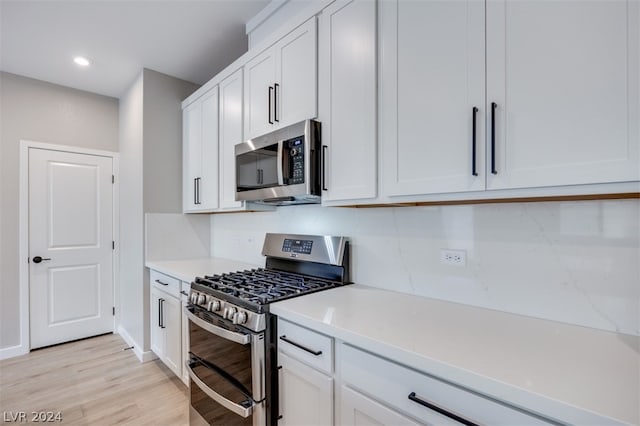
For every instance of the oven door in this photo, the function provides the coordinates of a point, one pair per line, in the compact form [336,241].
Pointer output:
[226,369]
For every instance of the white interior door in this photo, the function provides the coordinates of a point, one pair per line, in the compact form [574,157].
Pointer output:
[71,229]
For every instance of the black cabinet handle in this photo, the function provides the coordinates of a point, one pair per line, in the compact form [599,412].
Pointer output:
[298,345]
[159,312]
[184,292]
[162,313]
[275,102]
[270,90]
[493,138]
[38,259]
[160,282]
[198,180]
[414,398]
[195,191]
[474,172]
[324,161]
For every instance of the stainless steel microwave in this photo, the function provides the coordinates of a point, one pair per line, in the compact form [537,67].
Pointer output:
[282,167]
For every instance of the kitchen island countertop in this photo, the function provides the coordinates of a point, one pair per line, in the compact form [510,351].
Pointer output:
[564,372]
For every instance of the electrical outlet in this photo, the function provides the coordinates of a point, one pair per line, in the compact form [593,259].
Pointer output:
[453,257]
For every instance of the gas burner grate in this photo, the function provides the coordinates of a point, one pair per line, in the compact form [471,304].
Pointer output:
[261,286]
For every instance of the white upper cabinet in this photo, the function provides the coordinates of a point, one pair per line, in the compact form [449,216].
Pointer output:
[556,107]
[281,82]
[432,65]
[347,101]
[200,153]
[230,136]
[564,77]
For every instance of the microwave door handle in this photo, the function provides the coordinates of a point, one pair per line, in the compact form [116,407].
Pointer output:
[281,160]
[230,405]
[240,338]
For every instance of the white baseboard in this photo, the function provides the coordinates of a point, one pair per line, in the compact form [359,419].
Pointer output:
[13,351]
[145,356]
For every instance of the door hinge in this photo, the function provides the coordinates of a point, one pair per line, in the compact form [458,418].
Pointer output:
[113,311]
[113,178]
[113,245]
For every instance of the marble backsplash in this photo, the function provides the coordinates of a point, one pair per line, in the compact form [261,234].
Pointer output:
[574,262]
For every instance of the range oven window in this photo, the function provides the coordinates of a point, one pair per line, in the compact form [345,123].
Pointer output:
[224,360]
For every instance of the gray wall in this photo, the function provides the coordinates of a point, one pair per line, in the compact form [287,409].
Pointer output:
[43,112]
[151,166]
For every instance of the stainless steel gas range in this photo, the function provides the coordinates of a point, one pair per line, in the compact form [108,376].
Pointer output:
[232,337]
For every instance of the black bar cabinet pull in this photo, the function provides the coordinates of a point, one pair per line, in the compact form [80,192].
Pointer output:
[160,282]
[199,180]
[298,345]
[162,313]
[270,90]
[324,161]
[474,172]
[493,138]
[159,313]
[275,102]
[195,191]
[414,398]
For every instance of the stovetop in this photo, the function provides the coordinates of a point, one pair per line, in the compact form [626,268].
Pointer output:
[258,287]
[295,265]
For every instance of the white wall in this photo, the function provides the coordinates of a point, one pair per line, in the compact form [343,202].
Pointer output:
[574,262]
[131,212]
[150,177]
[44,112]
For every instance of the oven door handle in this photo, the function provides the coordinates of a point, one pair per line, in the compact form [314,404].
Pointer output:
[280,165]
[231,406]
[243,339]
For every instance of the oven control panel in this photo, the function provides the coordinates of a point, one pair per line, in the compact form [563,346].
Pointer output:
[297,246]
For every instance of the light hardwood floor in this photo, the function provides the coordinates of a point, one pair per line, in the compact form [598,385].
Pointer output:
[93,382]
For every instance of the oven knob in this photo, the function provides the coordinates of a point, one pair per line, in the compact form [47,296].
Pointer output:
[201,299]
[229,313]
[240,318]
[214,305]
[193,298]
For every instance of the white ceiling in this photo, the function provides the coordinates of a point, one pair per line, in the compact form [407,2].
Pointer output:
[191,40]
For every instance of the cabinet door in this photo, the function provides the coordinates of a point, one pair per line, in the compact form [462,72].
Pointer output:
[185,343]
[157,332]
[358,410]
[208,184]
[306,395]
[191,153]
[348,88]
[432,77]
[259,86]
[565,78]
[230,136]
[173,334]
[296,93]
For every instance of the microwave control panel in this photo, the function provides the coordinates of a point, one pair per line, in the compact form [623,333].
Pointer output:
[295,160]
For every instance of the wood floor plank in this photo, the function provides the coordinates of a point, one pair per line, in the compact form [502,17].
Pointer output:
[93,382]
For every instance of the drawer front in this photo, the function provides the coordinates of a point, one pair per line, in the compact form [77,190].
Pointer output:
[165,283]
[305,345]
[393,383]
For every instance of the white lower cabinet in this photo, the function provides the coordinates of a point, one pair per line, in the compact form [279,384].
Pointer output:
[358,410]
[306,395]
[305,376]
[166,321]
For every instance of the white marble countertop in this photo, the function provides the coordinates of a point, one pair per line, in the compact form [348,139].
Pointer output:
[568,373]
[188,269]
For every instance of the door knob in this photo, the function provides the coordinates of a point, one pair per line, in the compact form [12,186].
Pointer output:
[39,259]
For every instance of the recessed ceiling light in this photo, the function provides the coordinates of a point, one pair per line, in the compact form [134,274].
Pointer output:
[83,62]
